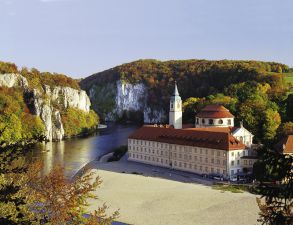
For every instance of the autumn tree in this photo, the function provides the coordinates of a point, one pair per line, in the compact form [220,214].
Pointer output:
[26,198]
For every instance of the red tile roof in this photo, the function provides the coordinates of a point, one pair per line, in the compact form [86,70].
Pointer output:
[214,111]
[215,129]
[286,145]
[198,138]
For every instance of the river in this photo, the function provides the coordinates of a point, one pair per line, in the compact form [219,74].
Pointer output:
[73,154]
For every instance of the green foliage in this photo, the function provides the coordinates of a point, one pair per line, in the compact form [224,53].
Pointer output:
[16,122]
[227,82]
[36,79]
[275,175]
[104,98]
[230,187]
[76,121]
[6,67]
[27,198]
[188,107]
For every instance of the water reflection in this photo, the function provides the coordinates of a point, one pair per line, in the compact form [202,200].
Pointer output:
[73,154]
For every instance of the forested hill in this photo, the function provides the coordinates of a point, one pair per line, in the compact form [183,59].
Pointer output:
[35,105]
[196,77]
[254,91]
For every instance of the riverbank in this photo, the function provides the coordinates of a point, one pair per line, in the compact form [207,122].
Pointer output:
[148,195]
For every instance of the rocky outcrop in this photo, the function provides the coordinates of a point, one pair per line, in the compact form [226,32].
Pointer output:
[69,97]
[114,101]
[13,80]
[43,103]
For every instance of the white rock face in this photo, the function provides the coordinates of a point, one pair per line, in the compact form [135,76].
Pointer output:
[132,97]
[51,117]
[40,102]
[69,97]
[13,80]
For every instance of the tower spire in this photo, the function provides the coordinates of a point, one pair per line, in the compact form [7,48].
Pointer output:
[175,113]
[176,93]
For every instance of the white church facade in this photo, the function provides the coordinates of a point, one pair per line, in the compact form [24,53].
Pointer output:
[213,146]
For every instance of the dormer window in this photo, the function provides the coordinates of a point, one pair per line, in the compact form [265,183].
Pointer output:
[211,121]
[197,121]
[229,122]
[220,121]
[203,121]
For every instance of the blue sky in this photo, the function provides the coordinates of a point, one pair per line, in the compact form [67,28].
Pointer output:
[81,37]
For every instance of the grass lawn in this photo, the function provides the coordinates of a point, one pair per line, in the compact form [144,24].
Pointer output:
[230,187]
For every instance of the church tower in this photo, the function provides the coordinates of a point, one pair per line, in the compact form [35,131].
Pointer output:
[175,113]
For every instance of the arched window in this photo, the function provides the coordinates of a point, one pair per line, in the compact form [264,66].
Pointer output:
[203,121]
[211,121]
[220,121]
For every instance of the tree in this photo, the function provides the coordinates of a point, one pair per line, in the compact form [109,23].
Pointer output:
[275,175]
[26,198]
[272,121]
[61,201]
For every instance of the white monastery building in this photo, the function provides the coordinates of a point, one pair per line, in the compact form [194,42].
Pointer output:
[213,146]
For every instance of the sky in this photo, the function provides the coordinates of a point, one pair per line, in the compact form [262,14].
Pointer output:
[82,37]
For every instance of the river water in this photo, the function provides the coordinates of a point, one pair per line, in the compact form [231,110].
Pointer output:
[73,154]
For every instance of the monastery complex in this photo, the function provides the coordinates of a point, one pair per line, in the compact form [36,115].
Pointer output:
[212,146]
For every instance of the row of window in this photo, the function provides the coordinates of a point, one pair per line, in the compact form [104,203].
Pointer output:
[195,158]
[249,161]
[181,148]
[232,163]
[178,164]
[212,122]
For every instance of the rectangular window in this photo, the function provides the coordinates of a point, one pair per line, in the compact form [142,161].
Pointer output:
[232,163]
[206,160]
[180,164]
[195,158]
[238,162]
[195,167]
[250,162]
[245,162]
[212,160]
[232,153]
[218,153]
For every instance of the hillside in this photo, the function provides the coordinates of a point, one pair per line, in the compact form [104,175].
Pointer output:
[140,90]
[36,106]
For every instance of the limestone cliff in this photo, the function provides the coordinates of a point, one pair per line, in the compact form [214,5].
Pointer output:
[47,102]
[123,100]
